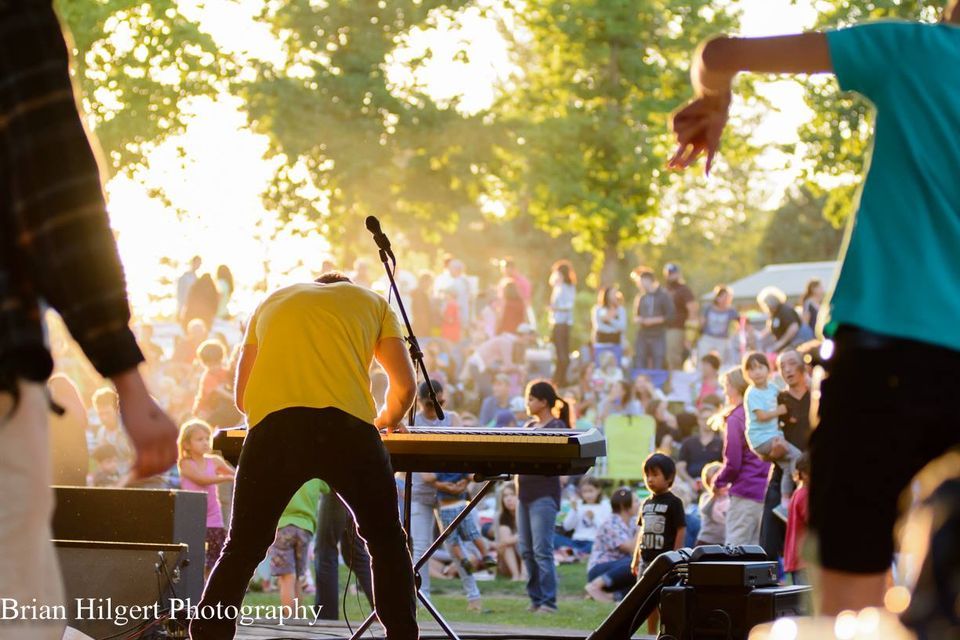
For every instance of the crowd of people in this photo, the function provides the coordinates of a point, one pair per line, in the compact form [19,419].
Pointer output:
[890,365]
[716,425]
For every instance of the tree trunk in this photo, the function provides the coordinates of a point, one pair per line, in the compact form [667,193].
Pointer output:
[610,272]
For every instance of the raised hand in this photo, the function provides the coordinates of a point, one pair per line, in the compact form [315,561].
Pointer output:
[698,126]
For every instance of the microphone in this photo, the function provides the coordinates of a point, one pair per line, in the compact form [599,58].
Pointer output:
[373,226]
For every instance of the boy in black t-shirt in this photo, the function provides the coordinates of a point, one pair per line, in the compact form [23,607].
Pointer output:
[662,520]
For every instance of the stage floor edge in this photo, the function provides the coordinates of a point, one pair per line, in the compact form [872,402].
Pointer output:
[337,629]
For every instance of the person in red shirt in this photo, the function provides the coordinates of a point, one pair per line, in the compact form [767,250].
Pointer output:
[797,524]
[214,400]
[451,322]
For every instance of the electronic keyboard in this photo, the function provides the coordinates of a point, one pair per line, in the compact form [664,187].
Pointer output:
[486,451]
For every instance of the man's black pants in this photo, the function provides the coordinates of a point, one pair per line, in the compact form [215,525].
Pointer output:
[283,451]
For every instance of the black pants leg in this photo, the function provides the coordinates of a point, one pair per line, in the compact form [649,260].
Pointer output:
[366,485]
[282,452]
[266,480]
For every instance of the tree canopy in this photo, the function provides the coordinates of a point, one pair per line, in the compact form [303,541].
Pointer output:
[587,131]
[837,138]
[343,131]
[135,63]
[573,148]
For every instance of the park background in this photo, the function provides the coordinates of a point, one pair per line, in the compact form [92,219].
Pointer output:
[260,134]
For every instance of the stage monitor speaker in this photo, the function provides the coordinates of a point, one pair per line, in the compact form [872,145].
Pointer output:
[766,604]
[675,602]
[103,579]
[156,516]
[668,570]
[691,612]
[732,574]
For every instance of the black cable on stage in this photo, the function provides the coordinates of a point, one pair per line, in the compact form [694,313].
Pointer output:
[173,592]
[166,573]
[353,544]
[143,625]
[355,538]
[159,587]
[346,587]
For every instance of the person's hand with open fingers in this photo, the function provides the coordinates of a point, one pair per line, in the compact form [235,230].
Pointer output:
[698,126]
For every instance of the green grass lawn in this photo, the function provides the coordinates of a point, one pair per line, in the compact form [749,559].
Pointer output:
[506,601]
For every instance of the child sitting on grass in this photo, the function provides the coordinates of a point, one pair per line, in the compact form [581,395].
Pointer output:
[587,513]
[608,570]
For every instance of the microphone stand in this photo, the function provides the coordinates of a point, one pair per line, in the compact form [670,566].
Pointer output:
[415,353]
[417,356]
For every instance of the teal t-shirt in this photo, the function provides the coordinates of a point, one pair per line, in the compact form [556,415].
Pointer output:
[900,271]
[302,509]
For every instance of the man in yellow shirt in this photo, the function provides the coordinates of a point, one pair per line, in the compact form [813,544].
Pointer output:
[304,385]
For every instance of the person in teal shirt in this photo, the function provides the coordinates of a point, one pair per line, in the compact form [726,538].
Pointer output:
[894,312]
[290,550]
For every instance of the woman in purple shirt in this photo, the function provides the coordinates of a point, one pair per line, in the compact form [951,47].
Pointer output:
[744,474]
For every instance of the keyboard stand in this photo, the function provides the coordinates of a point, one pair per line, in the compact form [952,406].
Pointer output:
[488,483]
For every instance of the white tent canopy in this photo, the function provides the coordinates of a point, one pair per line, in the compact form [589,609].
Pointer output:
[790,278]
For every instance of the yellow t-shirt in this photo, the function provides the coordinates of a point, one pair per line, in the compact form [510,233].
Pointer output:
[315,344]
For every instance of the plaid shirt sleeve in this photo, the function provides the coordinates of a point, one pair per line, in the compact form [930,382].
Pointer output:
[56,245]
